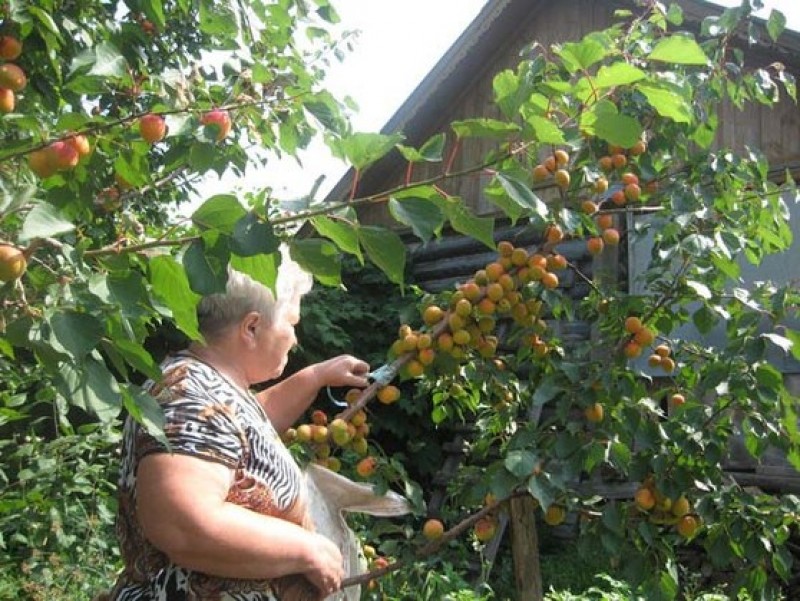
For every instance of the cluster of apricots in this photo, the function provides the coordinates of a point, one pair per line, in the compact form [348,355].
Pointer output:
[660,509]
[153,127]
[626,188]
[555,166]
[324,437]
[61,155]
[641,337]
[467,322]
[12,77]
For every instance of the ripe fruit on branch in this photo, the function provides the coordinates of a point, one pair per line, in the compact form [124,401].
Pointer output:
[540,173]
[10,48]
[687,526]
[550,280]
[638,149]
[644,499]
[319,417]
[619,160]
[632,350]
[633,324]
[677,399]
[433,529]
[600,185]
[606,163]
[594,413]
[12,77]
[366,467]
[62,155]
[554,234]
[604,221]
[388,394]
[561,157]
[152,128]
[485,529]
[562,178]
[80,144]
[595,245]
[555,515]
[7,101]
[432,315]
[611,236]
[12,263]
[219,119]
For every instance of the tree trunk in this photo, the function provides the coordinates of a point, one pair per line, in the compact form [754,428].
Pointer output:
[525,549]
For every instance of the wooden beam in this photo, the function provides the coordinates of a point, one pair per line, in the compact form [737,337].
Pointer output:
[525,549]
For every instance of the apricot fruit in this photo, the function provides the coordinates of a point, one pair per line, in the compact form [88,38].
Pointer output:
[433,529]
[12,263]
[152,128]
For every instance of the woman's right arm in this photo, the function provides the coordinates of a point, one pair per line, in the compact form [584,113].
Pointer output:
[183,512]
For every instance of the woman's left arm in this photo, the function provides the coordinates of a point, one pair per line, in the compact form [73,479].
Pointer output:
[286,401]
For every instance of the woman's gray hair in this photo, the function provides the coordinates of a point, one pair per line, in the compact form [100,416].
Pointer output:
[217,312]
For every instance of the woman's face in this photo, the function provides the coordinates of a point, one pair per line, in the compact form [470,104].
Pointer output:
[276,340]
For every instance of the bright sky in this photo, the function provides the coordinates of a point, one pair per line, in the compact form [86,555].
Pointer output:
[400,42]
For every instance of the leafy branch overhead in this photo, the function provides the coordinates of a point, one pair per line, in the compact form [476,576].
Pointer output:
[114,119]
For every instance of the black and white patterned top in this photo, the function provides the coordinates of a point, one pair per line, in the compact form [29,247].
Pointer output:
[209,417]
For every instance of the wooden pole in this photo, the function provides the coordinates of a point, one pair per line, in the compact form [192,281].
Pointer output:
[525,549]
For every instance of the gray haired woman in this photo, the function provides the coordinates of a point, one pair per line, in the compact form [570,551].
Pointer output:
[221,511]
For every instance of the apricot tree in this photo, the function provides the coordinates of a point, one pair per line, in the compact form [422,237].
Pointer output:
[113,113]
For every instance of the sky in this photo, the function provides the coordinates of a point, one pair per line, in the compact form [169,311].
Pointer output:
[399,43]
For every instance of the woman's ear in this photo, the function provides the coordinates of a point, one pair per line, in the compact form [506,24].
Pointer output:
[248,327]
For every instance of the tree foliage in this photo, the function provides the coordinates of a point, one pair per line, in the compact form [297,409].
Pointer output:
[129,105]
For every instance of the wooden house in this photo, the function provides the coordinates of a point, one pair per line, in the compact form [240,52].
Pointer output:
[460,87]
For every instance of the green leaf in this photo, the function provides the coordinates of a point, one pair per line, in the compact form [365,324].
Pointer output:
[108,61]
[384,248]
[794,336]
[44,221]
[201,156]
[667,101]
[76,333]
[465,222]
[218,18]
[363,149]
[251,236]
[604,121]
[154,10]
[699,288]
[342,233]
[541,490]
[423,217]
[547,390]
[171,285]
[324,108]
[145,410]
[262,268]
[221,212]
[205,272]
[579,56]
[617,74]
[546,131]
[92,388]
[484,128]
[520,193]
[138,357]
[521,463]
[776,24]
[431,151]
[679,49]
[318,257]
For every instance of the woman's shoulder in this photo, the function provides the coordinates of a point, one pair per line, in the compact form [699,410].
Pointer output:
[183,375]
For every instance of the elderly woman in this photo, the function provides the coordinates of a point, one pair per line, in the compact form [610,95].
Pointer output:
[220,513]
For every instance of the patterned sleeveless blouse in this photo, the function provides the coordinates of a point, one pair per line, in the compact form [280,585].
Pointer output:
[209,417]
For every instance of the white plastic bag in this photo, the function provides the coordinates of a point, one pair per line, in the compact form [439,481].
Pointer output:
[330,495]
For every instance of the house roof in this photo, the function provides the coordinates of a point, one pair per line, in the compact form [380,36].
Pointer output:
[494,24]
